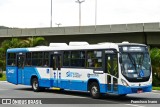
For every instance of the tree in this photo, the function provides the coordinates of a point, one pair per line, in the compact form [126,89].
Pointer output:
[33,41]
[155,59]
[18,43]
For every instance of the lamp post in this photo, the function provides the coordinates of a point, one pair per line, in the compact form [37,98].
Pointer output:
[58,24]
[80,2]
[95,14]
[51,15]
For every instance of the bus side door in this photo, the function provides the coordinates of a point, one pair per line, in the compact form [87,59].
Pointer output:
[111,68]
[56,67]
[20,65]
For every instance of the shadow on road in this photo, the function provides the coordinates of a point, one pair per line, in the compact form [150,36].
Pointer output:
[106,97]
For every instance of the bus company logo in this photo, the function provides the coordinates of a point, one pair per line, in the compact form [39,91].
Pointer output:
[10,71]
[92,75]
[73,74]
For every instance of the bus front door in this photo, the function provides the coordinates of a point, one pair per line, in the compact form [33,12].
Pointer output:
[56,68]
[20,65]
[112,72]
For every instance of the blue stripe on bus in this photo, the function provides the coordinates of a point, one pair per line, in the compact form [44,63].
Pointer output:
[17,50]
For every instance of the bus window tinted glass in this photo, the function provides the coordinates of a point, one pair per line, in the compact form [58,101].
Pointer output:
[37,58]
[94,59]
[66,58]
[11,59]
[78,58]
[46,59]
[28,59]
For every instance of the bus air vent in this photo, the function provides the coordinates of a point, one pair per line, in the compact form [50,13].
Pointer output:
[125,42]
[78,43]
[57,44]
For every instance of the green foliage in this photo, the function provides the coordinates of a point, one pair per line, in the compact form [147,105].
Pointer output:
[155,59]
[3,78]
[34,41]
[18,43]
[1,75]
[155,88]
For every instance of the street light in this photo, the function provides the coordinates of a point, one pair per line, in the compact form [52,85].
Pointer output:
[51,15]
[80,2]
[58,24]
[95,14]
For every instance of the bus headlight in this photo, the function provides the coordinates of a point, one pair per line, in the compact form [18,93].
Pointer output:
[124,83]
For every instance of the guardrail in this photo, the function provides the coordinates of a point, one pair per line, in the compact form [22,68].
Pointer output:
[99,29]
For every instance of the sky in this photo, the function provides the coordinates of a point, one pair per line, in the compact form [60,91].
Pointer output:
[37,13]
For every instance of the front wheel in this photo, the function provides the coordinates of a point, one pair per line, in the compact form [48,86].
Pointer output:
[94,90]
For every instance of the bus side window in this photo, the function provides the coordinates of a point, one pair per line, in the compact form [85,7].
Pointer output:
[28,59]
[94,59]
[54,62]
[46,59]
[11,60]
[66,58]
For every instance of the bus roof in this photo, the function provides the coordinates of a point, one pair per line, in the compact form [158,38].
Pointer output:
[72,46]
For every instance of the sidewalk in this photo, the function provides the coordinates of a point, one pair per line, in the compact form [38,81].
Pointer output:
[156,91]
[3,81]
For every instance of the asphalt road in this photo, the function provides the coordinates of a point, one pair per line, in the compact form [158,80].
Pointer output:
[73,98]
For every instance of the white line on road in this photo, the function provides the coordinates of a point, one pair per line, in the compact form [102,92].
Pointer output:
[134,105]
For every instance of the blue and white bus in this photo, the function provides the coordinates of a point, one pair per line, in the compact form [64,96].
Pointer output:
[117,68]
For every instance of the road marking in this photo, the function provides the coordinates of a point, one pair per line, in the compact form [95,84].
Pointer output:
[134,105]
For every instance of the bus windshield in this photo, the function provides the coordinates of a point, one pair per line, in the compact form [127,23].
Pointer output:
[135,65]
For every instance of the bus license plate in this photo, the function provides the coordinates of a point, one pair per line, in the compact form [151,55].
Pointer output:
[139,91]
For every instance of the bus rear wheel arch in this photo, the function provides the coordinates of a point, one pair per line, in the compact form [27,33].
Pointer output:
[35,85]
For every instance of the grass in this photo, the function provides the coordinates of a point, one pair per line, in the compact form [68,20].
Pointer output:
[3,78]
[155,88]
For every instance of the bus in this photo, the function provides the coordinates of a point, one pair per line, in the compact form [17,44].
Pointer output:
[102,68]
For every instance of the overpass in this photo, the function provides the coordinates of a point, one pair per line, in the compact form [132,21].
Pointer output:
[147,33]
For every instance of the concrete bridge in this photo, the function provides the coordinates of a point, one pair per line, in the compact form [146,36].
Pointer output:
[147,33]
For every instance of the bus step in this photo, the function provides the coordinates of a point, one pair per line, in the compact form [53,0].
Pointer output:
[55,88]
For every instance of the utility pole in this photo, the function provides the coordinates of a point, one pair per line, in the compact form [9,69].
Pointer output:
[80,2]
[51,15]
[95,14]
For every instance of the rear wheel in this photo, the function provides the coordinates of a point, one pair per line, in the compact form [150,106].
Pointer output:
[35,85]
[94,90]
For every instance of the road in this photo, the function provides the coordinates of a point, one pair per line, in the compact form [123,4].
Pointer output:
[72,98]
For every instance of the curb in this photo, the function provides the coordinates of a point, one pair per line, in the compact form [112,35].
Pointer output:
[156,91]
[3,81]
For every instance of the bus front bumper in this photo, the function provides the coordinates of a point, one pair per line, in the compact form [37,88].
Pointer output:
[130,90]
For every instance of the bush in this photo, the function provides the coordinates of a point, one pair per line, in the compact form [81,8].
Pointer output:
[1,75]
[156,81]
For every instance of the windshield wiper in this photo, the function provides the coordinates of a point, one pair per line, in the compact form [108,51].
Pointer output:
[140,62]
[133,61]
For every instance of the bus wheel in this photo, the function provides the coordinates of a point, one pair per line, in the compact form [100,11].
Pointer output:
[35,85]
[94,90]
